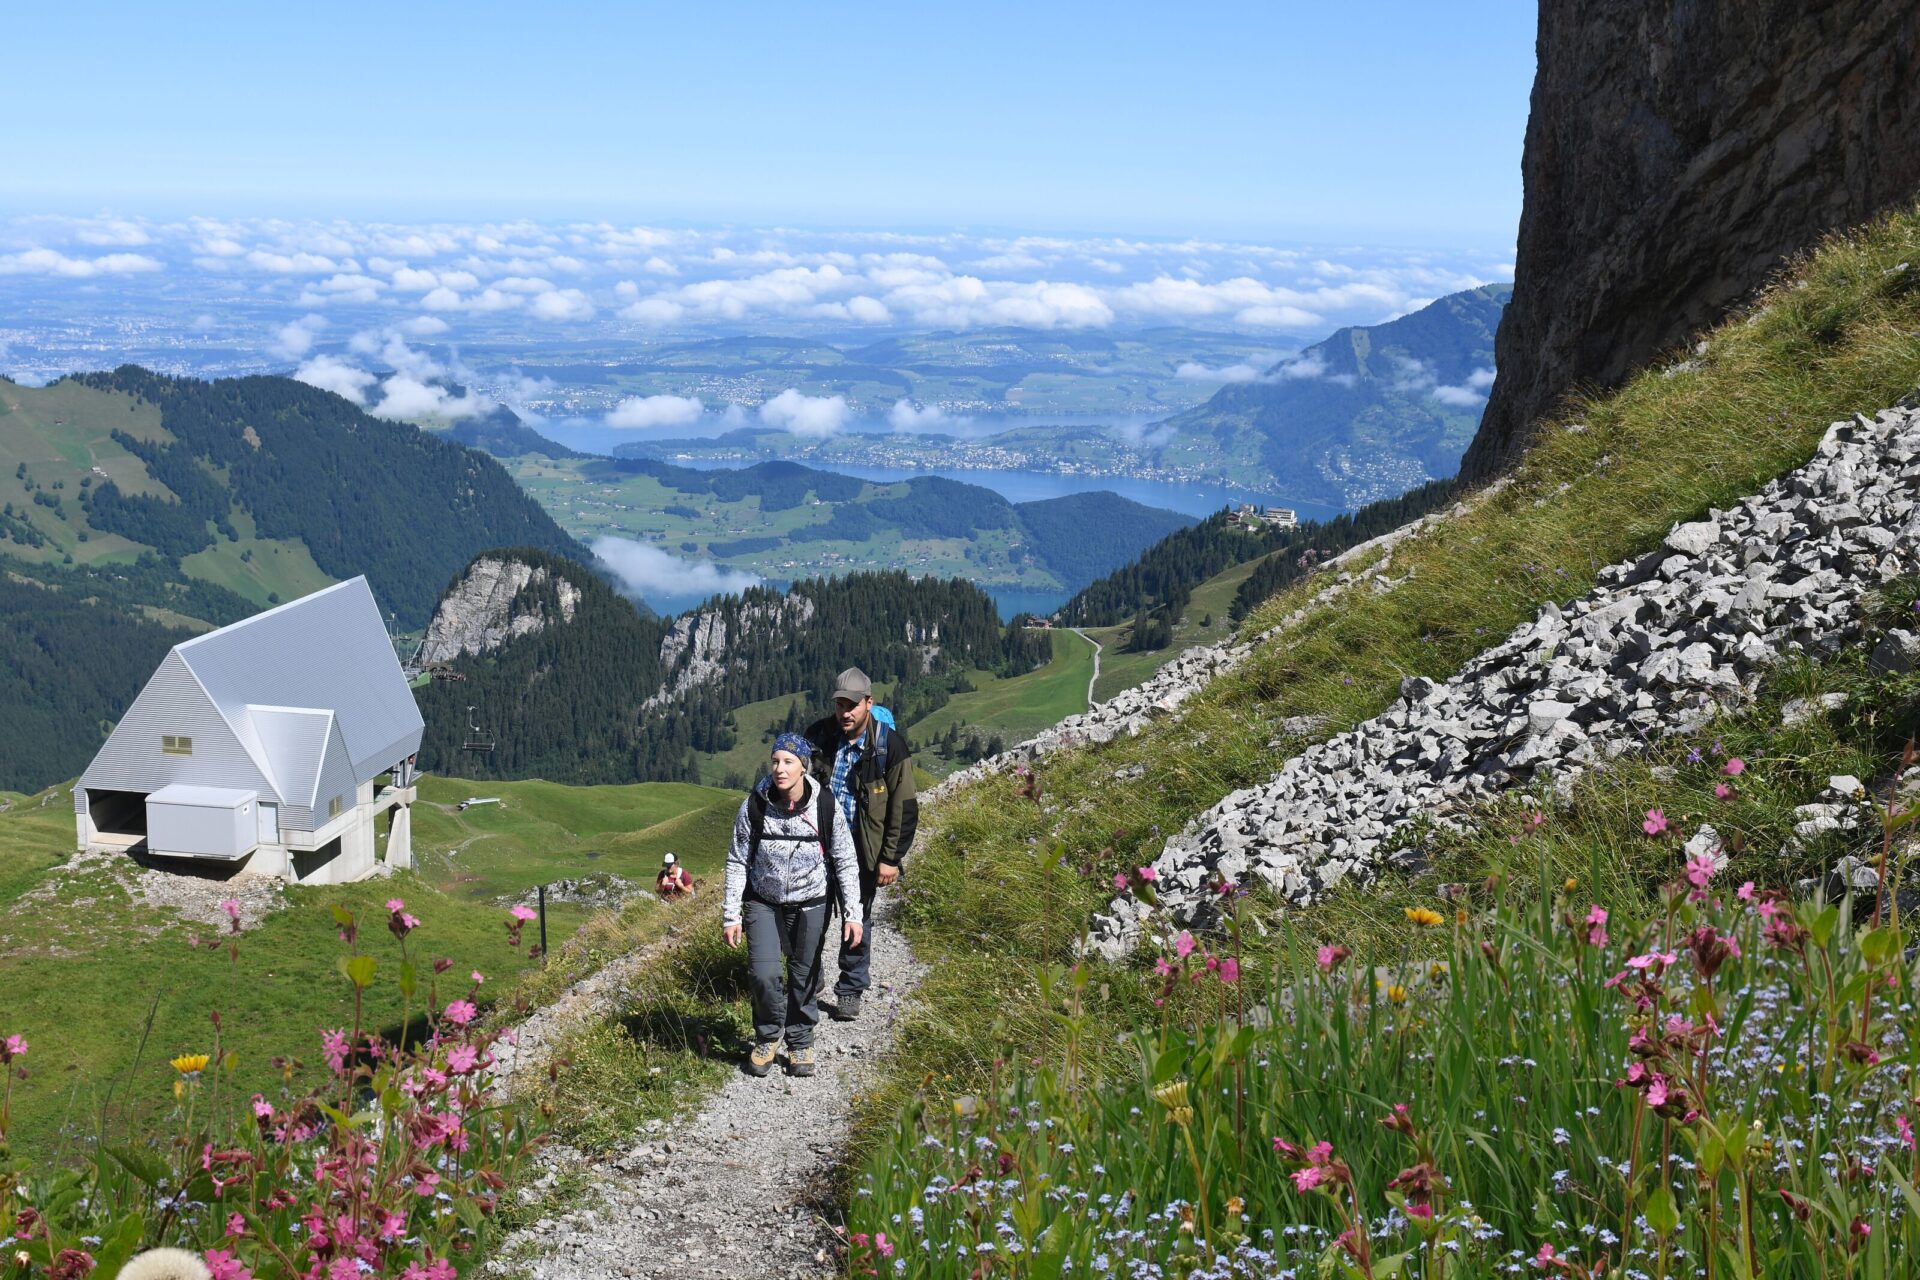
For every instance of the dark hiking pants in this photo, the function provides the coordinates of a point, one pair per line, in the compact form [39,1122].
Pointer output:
[783,949]
[856,963]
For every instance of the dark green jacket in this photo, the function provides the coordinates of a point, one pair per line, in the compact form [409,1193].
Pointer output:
[886,811]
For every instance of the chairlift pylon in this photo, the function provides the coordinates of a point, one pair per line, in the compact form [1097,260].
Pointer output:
[476,740]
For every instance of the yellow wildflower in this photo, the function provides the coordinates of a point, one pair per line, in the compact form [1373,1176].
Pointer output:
[191,1064]
[1424,916]
[1397,993]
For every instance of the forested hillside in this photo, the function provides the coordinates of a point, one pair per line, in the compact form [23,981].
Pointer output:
[68,668]
[364,495]
[589,700]
[1164,577]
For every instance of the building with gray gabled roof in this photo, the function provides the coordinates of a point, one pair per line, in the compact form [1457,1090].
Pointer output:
[279,724]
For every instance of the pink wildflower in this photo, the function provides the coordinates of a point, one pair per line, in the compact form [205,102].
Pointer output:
[1229,971]
[1735,767]
[461,1060]
[1700,870]
[1149,875]
[1656,823]
[1745,892]
[232,907]
[392,1225]
[1546,1257]
[1657,1091]
[1420,1211]
[396,904]
[223,1265]
[1183,945]
[523,913]
[426,1184]
[436,1269]
[1309,1178]
[334,1045]
[460,1012]
[12,1047]
[1721,791]
[1163,967]
[1120,880]
[262,1108]
[882,1245]
[236,1224]
[1320,1154]
[1665,959]
[1329,957]
[1906,1131]
[478,977]
[1597,926]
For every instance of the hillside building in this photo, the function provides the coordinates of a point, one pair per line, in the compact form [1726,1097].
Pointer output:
[260,745]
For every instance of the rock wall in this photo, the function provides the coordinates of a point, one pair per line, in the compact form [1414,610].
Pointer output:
[1677,151]
[694,650]
[476,615]
[1659,644]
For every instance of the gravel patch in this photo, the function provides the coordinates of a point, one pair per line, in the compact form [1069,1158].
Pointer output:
[739,1189]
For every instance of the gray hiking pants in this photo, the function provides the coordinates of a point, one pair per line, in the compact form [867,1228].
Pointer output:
[783,952]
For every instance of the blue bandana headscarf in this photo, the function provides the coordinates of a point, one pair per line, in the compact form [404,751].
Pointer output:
[795,743]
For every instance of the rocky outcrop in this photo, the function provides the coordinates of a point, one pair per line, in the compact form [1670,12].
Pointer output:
[1659,644]
[477,614]
[1676,153]
[694,650]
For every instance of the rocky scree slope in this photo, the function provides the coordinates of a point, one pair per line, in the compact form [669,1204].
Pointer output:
[1676,153]
[1660,643]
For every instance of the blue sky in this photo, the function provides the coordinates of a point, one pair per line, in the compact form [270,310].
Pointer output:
[1391,124]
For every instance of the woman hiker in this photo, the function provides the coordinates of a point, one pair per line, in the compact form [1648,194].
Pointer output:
[788,832]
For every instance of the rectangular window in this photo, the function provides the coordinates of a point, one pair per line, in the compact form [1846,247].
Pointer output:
[333,807]
[173,744]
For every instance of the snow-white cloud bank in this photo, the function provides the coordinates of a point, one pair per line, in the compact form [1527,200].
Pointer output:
[806,415]
[659,578]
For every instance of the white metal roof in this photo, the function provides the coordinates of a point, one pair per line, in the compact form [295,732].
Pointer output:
[182,793]
[327,650]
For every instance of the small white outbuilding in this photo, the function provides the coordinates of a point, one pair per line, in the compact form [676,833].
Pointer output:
[262,744]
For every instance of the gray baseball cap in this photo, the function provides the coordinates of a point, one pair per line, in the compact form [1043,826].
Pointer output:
[853,685]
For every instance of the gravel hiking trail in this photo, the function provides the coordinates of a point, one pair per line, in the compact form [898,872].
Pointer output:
[740,1189]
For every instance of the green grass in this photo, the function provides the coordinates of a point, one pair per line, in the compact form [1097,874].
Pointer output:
[255,568]
[1120,670]
[81,962]
[1018,707]
[1841,336]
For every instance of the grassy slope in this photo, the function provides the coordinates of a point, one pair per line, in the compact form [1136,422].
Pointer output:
[80,966]
[1667,447]
[61,432]
[1120,670]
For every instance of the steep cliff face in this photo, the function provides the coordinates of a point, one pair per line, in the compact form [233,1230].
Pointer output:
[478,614]
[1678,151]
[694,650]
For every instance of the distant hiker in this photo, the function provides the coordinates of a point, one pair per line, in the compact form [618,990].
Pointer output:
[673,883]
[866,761]
[787,833]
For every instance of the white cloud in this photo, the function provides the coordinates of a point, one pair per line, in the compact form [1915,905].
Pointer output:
[296,339]
[414,280]
[654,311]
[1470,394]
[659,266]
[562,304]
[222,247]
[806,415]
[51,262]
[965,301]
[330,373]
[626,291]
[734,415]
[1194,371]
[868,310]
[441,298]
[341,288]
[423,326]
[647,571]
[906,416]
[404,396]
[292,264]
[1308,365]
[112,231]
[656,411]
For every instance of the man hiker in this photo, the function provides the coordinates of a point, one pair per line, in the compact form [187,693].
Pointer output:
[673,883]
[867,763]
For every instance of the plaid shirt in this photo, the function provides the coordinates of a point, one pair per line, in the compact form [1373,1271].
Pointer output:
[843,761]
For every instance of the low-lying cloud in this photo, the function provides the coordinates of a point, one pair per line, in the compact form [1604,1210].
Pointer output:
[1470,394]
[806,415]
[907,416]
[1194,371]
[654,575]
[656,411]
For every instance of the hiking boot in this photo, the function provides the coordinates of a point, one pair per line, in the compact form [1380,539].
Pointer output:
[800,1061]
[846,1008]
[760,1061]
